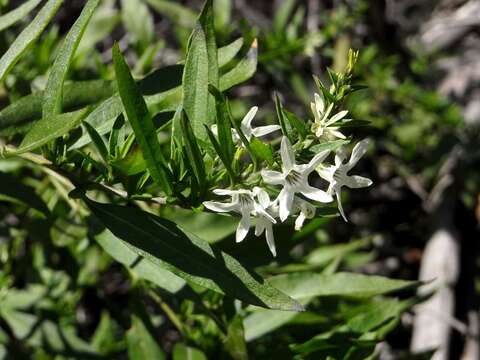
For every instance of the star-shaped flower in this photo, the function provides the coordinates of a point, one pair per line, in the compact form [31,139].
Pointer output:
[307,211]
[247,129]
[242,202]
[323,125]
[263,223]
[294,179]
[337,175]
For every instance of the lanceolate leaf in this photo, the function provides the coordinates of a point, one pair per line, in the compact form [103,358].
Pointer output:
[193,151]
[17,14]
[140,266]
[53,98]
[305,285]
[50,128]
[243,71]
[141,121]
[77,95]
[28,36]
[228,52]
[164,244]
[201,69]
[141,344]
[224,125]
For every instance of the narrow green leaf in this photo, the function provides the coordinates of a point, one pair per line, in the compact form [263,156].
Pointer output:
[201,69]
[13,190]
[305,285]
[115,134]
[163,243]
[178,13]
[53,98]
[77,95]
[141,121]
[138,265]
[296,123]
[235,340]
[282,119]
[141,344]
[97,141]
[50,128]
[228,52]
[184,352]
[28,36]
[280,19]
[193,151]
[329,145]
[224,125]
[243,71]
[17,14]
[261,150]
[221,154]
[138,21]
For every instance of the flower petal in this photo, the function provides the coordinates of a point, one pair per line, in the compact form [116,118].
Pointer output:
[358,151]
[242,228]
[356,182]
[225,192]
[287,154]
[339,204]
[326,172]
[336,133]
[262,196]
[316,160]
[270,240]
[220,207]
[316,194]
[299,221]
[285,199]
[214,129]
[273,177]
[246,124]
[319,103]
[264,130]
[260,226]
[337,117]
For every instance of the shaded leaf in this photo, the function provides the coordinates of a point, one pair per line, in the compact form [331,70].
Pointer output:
[17,14]
[184,352]
[53,96]
[28,36]
[45,130]
[141,121]
[165,244]
[141,344]
[243,71]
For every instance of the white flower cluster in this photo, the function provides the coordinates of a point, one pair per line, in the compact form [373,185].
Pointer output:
[293,179]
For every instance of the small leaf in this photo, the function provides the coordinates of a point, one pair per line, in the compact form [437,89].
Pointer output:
[28,36]
[141,344]
[329,145]
[166,245]
[17,14]
[138,21]
[77,95]
[296,123]
[53,98]
[235,340]
[45,130]
[201,69]
[184,352]
[221,154]
[193,151]
[138,265]
[224,125]
[304,285]
[180,14]
[97,141]
[228,52]
[261,150]
[282,119]
[243,71]
[142,124]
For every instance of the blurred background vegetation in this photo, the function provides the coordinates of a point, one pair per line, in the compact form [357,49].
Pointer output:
[419,62]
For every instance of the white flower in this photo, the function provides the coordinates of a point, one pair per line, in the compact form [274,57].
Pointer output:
[243,202]
[294,179]
[264,223]
[323,123]
[337,175]
[247,129]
